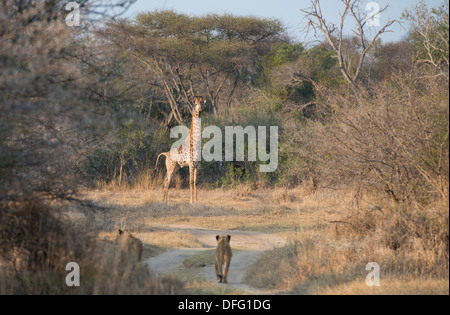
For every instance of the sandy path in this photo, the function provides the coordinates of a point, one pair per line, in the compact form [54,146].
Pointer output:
[170,260]
[250,245]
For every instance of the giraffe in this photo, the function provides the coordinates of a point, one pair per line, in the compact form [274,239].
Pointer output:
[186,155]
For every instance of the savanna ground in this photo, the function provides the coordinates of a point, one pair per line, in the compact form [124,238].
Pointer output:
[363,150]
[284,241]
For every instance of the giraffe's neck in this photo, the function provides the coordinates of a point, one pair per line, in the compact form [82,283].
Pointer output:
[195,137]
[195,117]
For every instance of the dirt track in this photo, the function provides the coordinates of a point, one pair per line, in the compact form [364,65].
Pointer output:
[250,245]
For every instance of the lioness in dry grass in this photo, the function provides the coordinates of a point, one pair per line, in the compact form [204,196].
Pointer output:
[130,245]
[223,257]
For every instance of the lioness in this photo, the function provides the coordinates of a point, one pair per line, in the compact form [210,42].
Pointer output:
[130,245]
[223,256]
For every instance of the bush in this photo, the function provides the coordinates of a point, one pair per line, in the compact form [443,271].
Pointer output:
[395,143]
[125,155]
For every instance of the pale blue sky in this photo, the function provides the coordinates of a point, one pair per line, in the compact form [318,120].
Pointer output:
[288,11]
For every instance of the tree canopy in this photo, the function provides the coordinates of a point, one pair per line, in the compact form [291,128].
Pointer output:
[185,56]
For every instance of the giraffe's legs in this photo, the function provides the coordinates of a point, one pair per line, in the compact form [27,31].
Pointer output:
[172,168]
[166,187]
[191,182]
[195,185]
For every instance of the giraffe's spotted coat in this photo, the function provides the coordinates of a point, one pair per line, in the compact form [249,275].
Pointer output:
[188,155]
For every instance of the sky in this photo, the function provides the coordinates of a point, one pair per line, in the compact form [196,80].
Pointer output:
[288,11]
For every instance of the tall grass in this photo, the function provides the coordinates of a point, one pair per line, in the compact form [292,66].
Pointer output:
[410,245]
[38,241]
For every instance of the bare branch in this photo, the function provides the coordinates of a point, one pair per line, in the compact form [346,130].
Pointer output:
[351,8]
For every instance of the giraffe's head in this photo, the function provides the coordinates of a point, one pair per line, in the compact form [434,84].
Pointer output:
[198,103]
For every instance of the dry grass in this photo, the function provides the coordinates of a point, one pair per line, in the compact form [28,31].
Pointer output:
[144,181]
[38,241]
[331,234]
[409,244]
[389,286]
[262,210]
[199,260]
